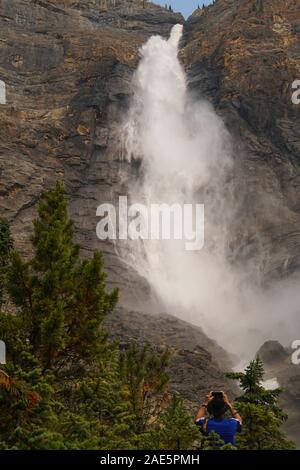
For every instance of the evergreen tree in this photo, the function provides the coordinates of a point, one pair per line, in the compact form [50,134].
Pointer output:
[62,300]
[144,375]
[214,442]
[178,431]
[262,416]
[55,340]
[100,399]
[65,386]
[6,246]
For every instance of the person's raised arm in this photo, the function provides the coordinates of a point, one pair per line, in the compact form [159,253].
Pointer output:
[202,410]
[234,413]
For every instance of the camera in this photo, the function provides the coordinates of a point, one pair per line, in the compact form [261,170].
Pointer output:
[218,395]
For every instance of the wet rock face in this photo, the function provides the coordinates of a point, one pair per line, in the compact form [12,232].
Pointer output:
[244,57]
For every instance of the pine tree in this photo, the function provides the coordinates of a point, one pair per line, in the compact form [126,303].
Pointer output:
[100,399]
[261,414]
[61,299]
[214,442]
[145,378]
[66,386]
[6,246]
[55,339]
[178,431]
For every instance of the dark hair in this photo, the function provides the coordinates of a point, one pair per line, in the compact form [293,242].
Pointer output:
[217,407]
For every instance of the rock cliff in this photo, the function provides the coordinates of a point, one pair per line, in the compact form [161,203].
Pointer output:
[279,366]
[244,56]
[67,67]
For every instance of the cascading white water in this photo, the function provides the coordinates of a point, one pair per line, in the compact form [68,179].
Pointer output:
[185,157]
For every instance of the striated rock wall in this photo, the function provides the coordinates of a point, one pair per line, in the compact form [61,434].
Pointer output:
[67,66]
[244,56]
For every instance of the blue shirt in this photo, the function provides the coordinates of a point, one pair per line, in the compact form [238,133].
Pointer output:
[226,428]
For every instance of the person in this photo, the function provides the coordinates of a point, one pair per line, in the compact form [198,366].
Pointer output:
[216,404]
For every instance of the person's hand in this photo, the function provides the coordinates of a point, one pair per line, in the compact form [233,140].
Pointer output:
[226,399]
[208,398]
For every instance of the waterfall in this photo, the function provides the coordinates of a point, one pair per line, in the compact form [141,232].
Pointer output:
[185,156]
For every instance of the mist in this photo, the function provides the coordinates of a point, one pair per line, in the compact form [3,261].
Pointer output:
[185,156]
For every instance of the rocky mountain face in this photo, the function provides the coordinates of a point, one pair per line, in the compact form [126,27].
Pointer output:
[279,366]
[67,68]
[197,363]
[244,56]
